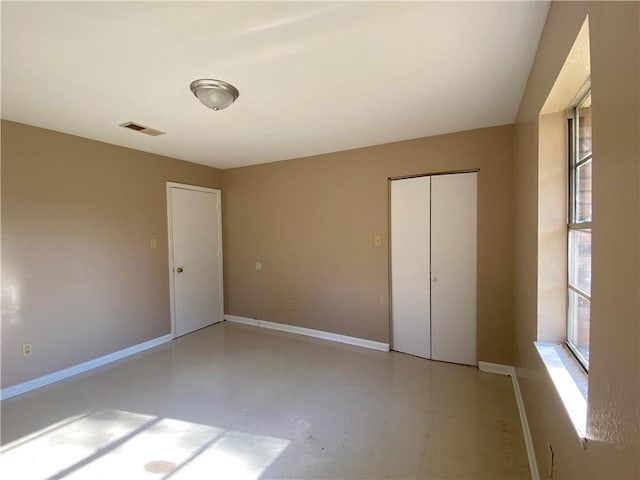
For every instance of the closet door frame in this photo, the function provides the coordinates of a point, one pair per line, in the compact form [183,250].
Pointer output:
[390,266]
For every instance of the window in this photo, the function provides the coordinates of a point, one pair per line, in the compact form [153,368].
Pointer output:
[579,231]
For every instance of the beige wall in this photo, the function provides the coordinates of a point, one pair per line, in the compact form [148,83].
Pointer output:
[312,223]
[614,377]
[79,279]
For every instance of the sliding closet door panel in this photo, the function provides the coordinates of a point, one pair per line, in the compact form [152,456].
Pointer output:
[410,266]
[453,267]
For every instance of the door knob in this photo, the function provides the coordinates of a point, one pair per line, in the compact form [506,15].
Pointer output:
[179,270]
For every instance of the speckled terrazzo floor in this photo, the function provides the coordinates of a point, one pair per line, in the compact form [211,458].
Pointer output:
[233,401]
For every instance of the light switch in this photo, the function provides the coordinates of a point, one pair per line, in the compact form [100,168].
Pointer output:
[258,266]
[153,243]
[377,241]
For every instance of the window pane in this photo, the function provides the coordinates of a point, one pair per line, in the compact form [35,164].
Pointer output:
[584,129]
[580,259]
[578,325]
[580,212]
[583,193]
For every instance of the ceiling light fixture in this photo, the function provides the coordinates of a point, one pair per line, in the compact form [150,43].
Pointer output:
[214,94]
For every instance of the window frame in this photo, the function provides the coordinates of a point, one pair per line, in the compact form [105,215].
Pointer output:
[574,164]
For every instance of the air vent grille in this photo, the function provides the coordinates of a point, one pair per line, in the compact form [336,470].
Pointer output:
[142,129]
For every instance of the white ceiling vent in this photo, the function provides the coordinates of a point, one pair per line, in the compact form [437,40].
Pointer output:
[142,129]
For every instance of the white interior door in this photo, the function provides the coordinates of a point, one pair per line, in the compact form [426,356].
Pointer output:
[453,267]
[195,257]
[410,266]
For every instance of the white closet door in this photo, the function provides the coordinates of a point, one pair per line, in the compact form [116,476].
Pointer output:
[453,267]
[410,266]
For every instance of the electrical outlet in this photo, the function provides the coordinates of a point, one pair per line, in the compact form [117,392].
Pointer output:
[26,349]
[289,305]
[153,243]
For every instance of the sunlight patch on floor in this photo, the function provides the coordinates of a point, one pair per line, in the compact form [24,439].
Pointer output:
[113,443]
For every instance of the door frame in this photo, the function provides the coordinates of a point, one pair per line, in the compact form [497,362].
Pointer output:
[172,290]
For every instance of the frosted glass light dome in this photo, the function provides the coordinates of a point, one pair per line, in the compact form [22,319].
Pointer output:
[214,94]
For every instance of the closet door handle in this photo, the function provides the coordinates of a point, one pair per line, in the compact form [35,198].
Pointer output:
[434,278]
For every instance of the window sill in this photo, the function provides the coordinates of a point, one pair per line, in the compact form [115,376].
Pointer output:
[571,383]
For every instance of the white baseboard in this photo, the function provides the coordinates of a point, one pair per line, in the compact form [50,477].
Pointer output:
[81,368]
[526,432]
[309,332]
[496,368]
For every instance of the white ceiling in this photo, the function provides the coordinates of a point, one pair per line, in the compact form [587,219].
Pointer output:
[313,77]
